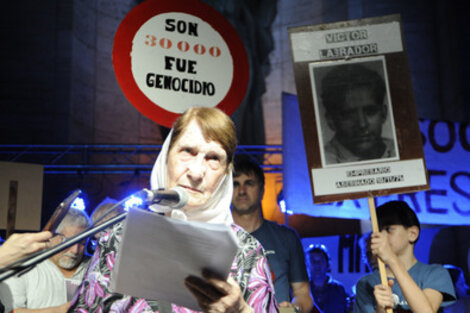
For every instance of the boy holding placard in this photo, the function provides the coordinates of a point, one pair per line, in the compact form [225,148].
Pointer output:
[412,286]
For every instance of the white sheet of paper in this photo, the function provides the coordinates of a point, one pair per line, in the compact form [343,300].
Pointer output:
[157,253]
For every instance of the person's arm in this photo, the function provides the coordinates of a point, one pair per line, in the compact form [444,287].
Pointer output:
[21,245]
[301,296]
[56,309]
[297,274]
[427,300]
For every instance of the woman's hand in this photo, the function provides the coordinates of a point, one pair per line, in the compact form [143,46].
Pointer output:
[216,295]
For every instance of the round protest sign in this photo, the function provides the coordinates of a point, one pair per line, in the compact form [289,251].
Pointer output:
[171,55]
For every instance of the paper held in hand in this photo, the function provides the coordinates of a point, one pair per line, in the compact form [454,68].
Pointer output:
[157,253]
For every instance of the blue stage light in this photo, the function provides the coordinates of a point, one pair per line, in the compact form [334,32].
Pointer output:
[78,204]
[282,205]
[132,202]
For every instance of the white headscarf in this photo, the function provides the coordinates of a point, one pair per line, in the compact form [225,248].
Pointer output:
[216,210]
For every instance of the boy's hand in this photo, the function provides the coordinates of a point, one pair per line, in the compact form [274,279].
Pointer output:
[380,247]
[383,296]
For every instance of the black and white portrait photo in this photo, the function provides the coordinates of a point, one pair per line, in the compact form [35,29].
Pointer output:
[353,111]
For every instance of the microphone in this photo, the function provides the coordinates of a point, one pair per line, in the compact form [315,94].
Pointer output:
[175,198]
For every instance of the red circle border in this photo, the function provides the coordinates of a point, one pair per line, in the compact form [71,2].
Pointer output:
[141,14]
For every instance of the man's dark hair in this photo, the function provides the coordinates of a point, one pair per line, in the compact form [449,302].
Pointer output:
[321,248]
[346,77]
[397,213]
[247,166]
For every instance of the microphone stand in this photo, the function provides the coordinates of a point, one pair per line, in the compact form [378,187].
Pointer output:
[29,261]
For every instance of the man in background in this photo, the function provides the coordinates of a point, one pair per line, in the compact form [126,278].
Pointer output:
[49,286]
[281,243]
[329,294]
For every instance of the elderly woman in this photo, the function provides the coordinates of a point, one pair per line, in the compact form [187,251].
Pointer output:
[196,156]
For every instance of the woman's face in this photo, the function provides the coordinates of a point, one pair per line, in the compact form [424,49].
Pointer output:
[195,164]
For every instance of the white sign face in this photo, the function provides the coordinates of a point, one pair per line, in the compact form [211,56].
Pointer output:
[169,56]
[346,42]
[178,61]
[349,179]
[29,180]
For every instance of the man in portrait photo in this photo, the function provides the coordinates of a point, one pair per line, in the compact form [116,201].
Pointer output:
[353,98]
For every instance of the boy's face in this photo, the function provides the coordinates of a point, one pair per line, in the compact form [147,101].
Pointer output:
[401,238]
[358,123]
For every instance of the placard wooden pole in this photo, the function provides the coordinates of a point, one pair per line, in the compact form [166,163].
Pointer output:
[375,228]
[12,203]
